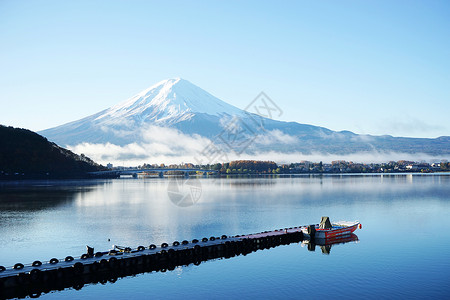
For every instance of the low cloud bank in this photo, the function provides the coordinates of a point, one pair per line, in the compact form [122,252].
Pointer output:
[171,146]
[160,145]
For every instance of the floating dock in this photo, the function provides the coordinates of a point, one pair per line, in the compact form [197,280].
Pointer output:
[74,272]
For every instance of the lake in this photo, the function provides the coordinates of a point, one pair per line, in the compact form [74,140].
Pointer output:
[402,249]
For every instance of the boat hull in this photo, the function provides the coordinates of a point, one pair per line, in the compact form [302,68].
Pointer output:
[338,230]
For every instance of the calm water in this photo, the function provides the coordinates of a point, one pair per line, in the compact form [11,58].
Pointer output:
[403,248]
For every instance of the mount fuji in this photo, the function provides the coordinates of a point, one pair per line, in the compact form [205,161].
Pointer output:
[175,103]
[161,118]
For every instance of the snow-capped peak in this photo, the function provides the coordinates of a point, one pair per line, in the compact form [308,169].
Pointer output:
[170,100]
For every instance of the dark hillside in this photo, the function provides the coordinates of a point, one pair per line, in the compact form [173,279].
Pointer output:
[26,154]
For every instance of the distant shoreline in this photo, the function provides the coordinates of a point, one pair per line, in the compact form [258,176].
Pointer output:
[76,181]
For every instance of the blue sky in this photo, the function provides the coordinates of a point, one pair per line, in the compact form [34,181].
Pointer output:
[372,67]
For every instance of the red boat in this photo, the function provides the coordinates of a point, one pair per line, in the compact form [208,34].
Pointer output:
[326,230]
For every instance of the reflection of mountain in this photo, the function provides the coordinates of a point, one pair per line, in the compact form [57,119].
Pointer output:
[325,244]
[40,196]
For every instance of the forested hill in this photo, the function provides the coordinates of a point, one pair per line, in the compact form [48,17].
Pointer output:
[26,154]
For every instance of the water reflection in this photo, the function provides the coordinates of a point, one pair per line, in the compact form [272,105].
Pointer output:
[40,195]
[252,181]
[28,284]
[56,222]
[111,268]
[326,244]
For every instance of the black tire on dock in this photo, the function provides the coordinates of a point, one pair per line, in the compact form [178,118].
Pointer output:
[98,254]
[112,262]
[171,253]
[36,263]
[164,245]
[185,242]
[152,246]
[78,268]
[18,266]
[104,264]
[176,243]
[35,275]
[141,248]
[204,239]
[54,261]
[212,238]
[2,268]
[68,258]
[224,237]
[194,241]
[84,256]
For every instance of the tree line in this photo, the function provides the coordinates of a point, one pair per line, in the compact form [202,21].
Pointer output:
[26,154]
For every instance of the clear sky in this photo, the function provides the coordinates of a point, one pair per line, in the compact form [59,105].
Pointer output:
[373,67]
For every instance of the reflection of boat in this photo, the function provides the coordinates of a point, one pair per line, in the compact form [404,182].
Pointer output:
[325,244]
[336,240]
[326,230]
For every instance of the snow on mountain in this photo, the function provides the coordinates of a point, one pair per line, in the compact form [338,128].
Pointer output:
[176,117]
[168,102]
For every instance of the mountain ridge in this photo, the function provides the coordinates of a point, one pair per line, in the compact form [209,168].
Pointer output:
[180,105]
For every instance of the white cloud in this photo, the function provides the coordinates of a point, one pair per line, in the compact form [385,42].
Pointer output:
[276,136]
[160,145]
[167,145]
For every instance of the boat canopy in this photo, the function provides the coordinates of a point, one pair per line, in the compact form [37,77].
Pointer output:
[325,223]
